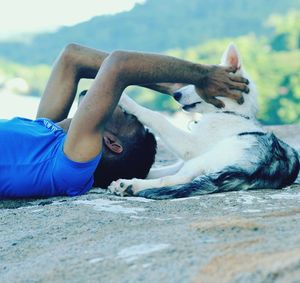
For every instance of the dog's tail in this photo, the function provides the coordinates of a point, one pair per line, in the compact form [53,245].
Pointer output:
[226,180]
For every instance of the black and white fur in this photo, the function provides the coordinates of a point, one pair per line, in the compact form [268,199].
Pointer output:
[223,151]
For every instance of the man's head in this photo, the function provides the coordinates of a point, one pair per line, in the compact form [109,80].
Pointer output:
[128,149]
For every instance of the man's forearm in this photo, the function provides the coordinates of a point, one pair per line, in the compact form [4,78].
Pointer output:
[209,81]
[146,69]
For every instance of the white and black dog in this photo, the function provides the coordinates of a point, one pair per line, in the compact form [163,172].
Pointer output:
[225,150]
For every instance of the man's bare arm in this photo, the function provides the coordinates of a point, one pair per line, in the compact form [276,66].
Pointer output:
[76,62]
[119,70]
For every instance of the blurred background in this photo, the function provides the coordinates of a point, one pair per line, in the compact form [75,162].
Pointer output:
[267,33]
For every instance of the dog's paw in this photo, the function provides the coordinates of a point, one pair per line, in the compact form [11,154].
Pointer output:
[121,187]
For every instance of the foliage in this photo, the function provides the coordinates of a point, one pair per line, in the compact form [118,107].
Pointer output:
[287,30]
[155,26]
[284,108]
[35,76]
[270,70]
[276,74]
[274,67]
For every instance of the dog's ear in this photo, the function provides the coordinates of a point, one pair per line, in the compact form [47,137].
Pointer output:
[231,57]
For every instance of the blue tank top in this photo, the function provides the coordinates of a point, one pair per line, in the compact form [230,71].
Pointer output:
[33,164]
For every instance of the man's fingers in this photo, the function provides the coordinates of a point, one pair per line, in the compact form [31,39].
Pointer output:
[239,86]
[216,102]
[238,79]
[236,95]
[241,100]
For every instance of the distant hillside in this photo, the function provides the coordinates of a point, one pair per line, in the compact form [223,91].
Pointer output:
[155,26]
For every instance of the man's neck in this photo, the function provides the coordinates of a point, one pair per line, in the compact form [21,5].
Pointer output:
[65,124]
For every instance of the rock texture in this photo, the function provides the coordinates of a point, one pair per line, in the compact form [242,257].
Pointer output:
[250,236]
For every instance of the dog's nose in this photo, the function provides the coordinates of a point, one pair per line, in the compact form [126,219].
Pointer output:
[177,95]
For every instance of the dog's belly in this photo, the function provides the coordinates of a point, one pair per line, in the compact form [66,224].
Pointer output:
[228,152]
[213,128]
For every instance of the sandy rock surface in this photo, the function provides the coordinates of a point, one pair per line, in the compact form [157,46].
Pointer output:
[250,236]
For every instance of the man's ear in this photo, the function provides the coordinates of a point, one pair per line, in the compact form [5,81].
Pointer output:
[112,143]
[231,57]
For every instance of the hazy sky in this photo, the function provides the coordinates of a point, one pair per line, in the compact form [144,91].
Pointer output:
[22,16]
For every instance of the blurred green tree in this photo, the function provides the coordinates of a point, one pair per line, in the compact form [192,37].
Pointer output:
[285,107]
[287,31]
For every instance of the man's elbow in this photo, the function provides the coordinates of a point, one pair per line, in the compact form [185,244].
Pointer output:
[120,55]
[119,59]
[71,49]
[69,53]
[117,63]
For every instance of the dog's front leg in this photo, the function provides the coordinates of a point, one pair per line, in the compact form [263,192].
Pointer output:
[179,141]
[188,172]
[124,187]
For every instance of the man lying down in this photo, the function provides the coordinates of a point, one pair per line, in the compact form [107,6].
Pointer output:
[57,156]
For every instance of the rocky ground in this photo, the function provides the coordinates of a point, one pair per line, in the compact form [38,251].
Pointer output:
[237,237]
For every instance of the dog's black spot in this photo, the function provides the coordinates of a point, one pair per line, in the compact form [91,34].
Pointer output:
[252,133]
[189,106]
[236,114]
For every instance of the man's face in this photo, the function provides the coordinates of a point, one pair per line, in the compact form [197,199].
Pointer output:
[123,124]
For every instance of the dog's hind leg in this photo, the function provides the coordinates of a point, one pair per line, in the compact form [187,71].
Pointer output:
[179,141]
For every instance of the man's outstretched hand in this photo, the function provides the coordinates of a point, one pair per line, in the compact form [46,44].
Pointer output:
[221,81]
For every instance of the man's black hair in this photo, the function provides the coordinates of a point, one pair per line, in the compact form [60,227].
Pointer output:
[134,162]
